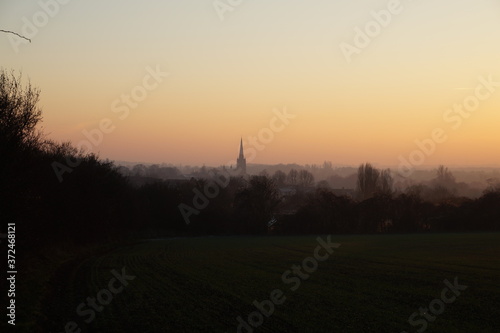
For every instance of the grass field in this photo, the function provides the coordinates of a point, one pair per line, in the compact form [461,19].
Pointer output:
[369,284]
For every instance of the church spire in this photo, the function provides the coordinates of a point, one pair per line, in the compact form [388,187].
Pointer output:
[241,149]
[241,162]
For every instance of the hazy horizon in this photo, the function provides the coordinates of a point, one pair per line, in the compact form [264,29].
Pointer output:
[319,164]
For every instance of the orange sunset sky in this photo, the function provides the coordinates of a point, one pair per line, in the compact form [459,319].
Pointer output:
[226,76]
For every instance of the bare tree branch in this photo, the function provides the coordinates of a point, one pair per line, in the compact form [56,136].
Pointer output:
[11,32]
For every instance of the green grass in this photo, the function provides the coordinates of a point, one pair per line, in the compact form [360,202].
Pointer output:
[369,284]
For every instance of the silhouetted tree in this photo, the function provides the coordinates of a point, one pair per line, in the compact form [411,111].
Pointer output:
[368,181]
[386,182]
[485,212]
[373,212]
[255,204]
[153,171]
[19,114]
[407,213]
[305,178]
[292,177]
[139,170]
[279,178]
[160,210]
[444,186]
[323,212]
[444,177]
[20,142]
[327,165]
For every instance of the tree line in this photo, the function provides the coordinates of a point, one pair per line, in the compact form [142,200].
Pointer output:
[96,201]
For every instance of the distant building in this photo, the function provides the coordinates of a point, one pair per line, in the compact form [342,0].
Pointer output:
[241,162]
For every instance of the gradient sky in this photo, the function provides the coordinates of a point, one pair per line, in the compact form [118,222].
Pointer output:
[226,77]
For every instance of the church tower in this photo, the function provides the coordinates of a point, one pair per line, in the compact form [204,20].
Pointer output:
[241,162]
